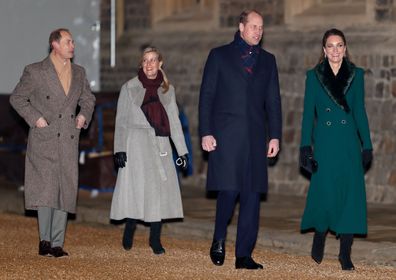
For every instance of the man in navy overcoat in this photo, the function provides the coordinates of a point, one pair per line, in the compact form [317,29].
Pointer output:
[239,113]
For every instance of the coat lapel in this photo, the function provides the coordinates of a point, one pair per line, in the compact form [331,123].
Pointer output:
[138,91]
[51,78]
[258,67]
[55,86]
[73,90]
[237,61]
[336,87]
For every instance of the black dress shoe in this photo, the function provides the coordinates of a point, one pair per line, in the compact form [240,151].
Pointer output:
[58,252]
[217,252]
[247,263]
[45,248]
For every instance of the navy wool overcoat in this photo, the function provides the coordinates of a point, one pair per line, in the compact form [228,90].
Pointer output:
[242,111]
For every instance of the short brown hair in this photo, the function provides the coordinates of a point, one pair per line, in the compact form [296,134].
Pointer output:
[56,35]
[243,18]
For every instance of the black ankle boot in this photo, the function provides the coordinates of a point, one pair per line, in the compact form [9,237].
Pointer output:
[155,242]
[344,257]
[129,231]
[318,246]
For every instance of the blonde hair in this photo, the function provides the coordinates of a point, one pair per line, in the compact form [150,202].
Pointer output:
[165,84]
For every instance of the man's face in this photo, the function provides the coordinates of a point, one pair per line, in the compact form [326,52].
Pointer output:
[252,31]
[65,47]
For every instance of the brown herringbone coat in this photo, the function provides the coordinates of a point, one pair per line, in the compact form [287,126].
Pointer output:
[51,171]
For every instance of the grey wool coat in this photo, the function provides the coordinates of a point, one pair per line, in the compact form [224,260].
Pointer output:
[147,187]
[51,168]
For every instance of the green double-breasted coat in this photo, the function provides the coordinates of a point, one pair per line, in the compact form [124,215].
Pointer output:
[336,198]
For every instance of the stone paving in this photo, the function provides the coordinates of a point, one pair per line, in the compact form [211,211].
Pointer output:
[279,224]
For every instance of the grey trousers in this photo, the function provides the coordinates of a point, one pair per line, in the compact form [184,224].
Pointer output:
[52,225]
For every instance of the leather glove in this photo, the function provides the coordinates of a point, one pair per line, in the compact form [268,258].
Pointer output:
[120,158]
[367,158]
[307,161]
[182,162]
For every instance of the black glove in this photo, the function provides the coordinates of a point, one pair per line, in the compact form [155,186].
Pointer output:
[307,162]
[367,158]
[182,162]
[120,158]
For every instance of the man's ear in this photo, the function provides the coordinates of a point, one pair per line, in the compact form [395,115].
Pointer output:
[241,27]
[55,45]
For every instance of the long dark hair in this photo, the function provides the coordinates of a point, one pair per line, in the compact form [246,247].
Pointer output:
[326,35]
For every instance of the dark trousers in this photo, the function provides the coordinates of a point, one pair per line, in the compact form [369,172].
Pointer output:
[248,219]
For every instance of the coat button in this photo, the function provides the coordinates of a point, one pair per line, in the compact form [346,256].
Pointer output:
[72,137]
[72,116]
[47,97]
[328,123]
[60,115]
[58,134]
[343,121]
[328,110]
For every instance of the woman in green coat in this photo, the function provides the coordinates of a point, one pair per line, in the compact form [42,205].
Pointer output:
[336,147]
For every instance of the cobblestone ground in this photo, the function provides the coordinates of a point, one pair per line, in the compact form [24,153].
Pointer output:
[96,253]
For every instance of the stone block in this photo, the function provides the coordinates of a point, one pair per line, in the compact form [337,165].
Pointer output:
[394,88]
[379,90]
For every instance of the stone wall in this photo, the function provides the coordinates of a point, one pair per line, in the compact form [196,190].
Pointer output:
[385,11]
[371,45]
[273,11]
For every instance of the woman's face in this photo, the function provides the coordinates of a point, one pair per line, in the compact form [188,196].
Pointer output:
[151,64]
[334,49]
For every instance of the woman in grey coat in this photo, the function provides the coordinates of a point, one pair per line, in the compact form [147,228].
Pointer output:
[147,187]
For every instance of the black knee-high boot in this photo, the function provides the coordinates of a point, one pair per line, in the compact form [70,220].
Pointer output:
[155,234]
[344,257]
[129,231]
[318,245]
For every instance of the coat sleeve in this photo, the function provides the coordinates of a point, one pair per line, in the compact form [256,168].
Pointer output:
[273,107]
[177,135]
[308,113]
[208,94]
[359,112]
[121,123]
[20,98]
[86,101]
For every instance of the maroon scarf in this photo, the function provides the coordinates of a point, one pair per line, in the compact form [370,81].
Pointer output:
[152,106]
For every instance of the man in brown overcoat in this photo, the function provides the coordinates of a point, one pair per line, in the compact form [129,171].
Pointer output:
[47,97]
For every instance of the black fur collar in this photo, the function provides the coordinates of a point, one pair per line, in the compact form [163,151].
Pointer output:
[336,86]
